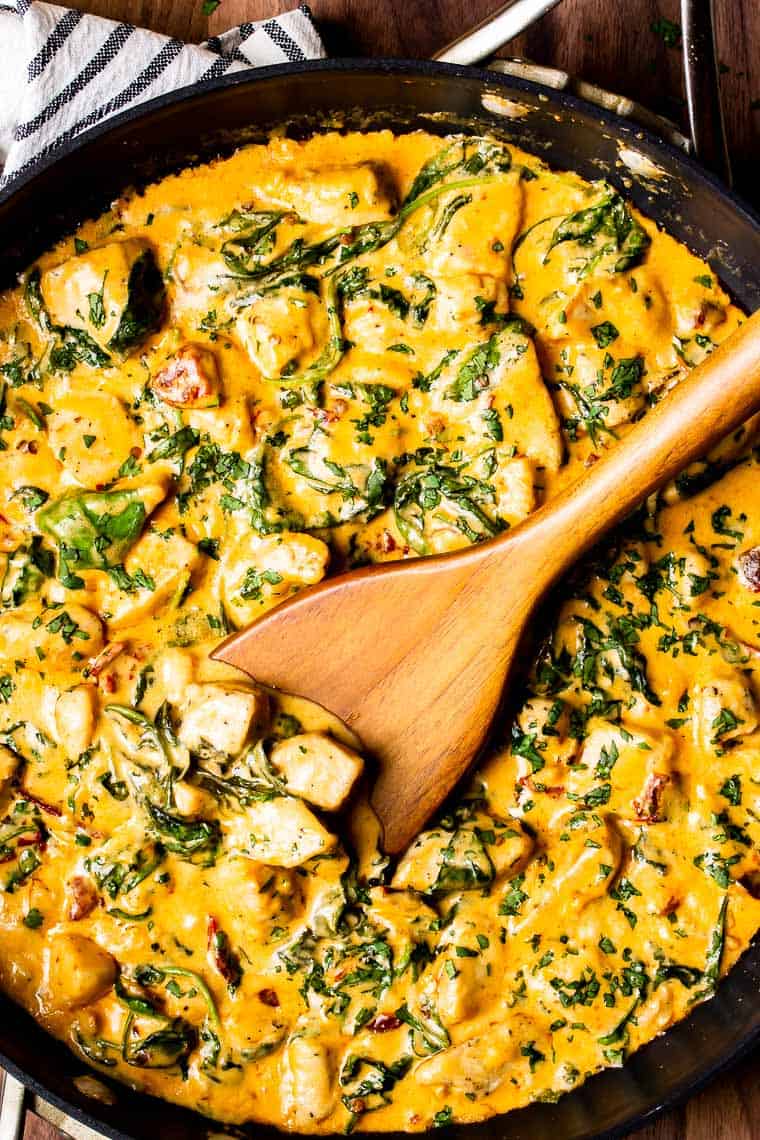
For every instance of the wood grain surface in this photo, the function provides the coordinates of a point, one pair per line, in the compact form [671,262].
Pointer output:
[609,42]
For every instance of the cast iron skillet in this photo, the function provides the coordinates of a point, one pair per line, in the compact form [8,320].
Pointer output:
[80,179]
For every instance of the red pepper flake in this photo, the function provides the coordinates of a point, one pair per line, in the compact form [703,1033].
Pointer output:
[222,955]
[384,1023]
[269,997]
[109,653]
[648,806]
[51,809]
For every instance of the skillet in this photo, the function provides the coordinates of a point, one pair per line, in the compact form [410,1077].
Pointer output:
[82,177]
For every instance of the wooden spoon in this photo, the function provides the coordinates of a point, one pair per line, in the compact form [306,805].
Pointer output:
[414,655]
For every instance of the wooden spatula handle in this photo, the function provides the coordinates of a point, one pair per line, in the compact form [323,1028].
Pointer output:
[717,397]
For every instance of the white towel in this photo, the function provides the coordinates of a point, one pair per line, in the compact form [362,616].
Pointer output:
[62,71]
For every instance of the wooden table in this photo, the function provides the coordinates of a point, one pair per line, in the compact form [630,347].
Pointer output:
[609,42]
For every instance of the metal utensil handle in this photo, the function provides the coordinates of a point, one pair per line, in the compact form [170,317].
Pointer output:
[493,32]
[700,66]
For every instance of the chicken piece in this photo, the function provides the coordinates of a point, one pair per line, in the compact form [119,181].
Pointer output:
[192,801]
[632,768]
[497,385]
[317,768]
[200,275]
[724,710]
[74,716]
[82,897]
[460,303]
[258,571]
[473,1067]
[463,246]
[157,568]
[691,574]
[62,637]
[440,861]
[189,379]
[256,893]
[76,971]
[114,294]
[514,484]
[94,434]
[511,850]
[283,330]
[308,1086]
[346,195]
[174,673]
[221,717]
[282,832]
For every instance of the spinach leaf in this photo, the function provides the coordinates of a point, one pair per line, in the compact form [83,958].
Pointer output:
[245,253]
[145,305]
[434,490]
[93,529]
[615,241]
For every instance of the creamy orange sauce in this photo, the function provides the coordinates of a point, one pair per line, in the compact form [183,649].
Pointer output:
[260,371]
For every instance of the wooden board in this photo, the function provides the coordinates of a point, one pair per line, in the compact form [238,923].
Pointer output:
[609,42]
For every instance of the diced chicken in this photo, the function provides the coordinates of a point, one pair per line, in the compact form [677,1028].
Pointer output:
[467,248]
[282,832]
[259,571]
[256,893]
[97,292]
[76,971]
[440,861]
[167,560]
[515,491]
[308,1085]
[543,718]
[174,673]
[690,574]
[461,982]
[200,275]
[283,329]
[511,850]
[636,766]
[82,897]
[75,713]
[190,379]
[190,800]
[318,768]
[221,717]
[352,195]
[476,1066]
[724,710]
[94,434]
[460,301]
[62,637]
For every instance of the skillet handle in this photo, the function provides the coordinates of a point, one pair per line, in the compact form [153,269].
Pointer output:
[700,66]
[493,32]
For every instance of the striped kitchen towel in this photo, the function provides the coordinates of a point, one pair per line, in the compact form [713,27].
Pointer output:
[62,71]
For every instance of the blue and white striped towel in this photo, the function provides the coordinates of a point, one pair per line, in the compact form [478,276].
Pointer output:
[62,71]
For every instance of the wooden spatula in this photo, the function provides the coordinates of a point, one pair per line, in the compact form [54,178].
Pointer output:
[414,655]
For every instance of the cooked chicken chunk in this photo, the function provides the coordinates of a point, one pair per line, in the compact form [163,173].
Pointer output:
[318,768]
